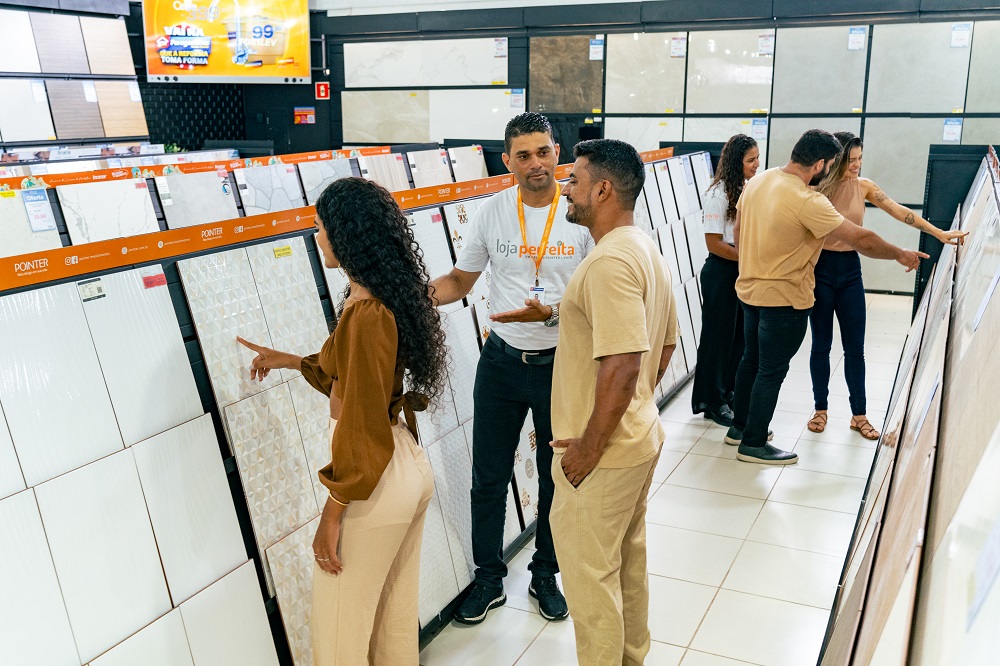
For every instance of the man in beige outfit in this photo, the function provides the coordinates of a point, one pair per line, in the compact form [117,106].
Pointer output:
[618,327]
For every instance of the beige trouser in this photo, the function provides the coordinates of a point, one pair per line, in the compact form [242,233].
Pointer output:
[368,614]
[599,531]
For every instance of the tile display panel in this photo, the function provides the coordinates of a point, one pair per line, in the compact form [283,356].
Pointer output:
[268,189]
[459,217]
[121,108]
[317,176]
[666,238]
[11,479]
[644,74]
[472,114]
[468,163]
[104,552]
[640,215]
[141,351]
[438,584]
[695,227]
[312,414]
[162,643]
[666,188]
[75,109]
[389,171]
[721,129]
[896,151]
[729,71]
[685,190]
[59,42]
[51,387]
[385,116]
[925,51]
[981,131]
[553,62]
[187,494]
[654,202]
[107,210]
[17,50]
[704,173]
[694,305]
[437,62]
[816,70]
[106,42]
[429,167]
[336,282]
[18,234]
[25,115]
[684,323]
[785,132]
[452,467]
[526,472]
[463,348]
[292,563]
[983,95]
[683,251]
[431,234]
[643,133]
[190,199]
[34,627]
[438,420]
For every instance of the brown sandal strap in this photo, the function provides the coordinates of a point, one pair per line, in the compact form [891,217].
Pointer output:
[819,416]
[865,427]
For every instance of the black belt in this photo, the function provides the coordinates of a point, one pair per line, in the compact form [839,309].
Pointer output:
[540,357]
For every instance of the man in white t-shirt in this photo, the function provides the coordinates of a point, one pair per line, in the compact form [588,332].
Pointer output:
[523,234]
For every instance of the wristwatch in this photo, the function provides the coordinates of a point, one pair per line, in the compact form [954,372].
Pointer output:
[553,319]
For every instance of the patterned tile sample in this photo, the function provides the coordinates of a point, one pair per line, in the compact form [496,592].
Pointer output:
[142,355]
[483,319]
[437,62]
[468,163]
[107,210]
[191,508]
[105,554]
[51,387]
[224,303]
[268,189]
[553,62]
[666,190]
[525,473]
[317,175]
[17,49]
[429,167]
[696,240]
[452,467]
[108,51]
[432,237]
[814,72]
[312,414]
[386,170]
[121,108]
[288,294]
[460,331]
[75,110]
[227,624]
[24,115]
[643,76]
[34,628]
[644,133]
[190,199]
[162,643]
[654,203]
[291,563]
[16,233]
[478,115]
[459,217]
[60,43]
[11,479]
[378,117]
[265,439]
[728,72]
[438,584]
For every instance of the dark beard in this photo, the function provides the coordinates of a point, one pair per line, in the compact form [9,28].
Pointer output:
[817,179]
[529,185]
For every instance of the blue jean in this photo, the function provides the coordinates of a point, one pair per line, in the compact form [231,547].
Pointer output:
[839,290]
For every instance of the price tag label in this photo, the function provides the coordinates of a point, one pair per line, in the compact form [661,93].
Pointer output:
[133,92]
[597,49]
[679,47]
[283,251]
[961,35]
[90,92]
[952,130]
[517,98]
[765,43]
[38,91]
[500,47]
[759,132]
[91,290]
[857,38]
[153,277]
[39,210]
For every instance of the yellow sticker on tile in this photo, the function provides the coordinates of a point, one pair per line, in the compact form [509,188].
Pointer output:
[284,251]
[596,111]
[499,83]
[663,124]
[8,194]
[856,110]
[958,109]
[668,110]
[588,121]
[413,94]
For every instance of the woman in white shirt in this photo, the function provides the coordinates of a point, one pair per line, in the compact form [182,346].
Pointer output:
[721,346]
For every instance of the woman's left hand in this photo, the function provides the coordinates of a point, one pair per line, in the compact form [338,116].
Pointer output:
[327,542]
[952,237]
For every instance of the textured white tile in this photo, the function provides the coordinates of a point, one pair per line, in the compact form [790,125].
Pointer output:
[468,163]
[292,562]
[268,189]
[644,133]
[162,643]
[16,234]
[386,170]
[438,583]
[336,283]
[51,387]
[190,199]
[436,62]
[187,494]
[25,115]
[460,333]
[227,624]
[142,353]
[11,479]
[439,420]
[525,472]
[312,413]
[666,188]
[17,50]
[106,210]
[452,467]
[105,554]
[379,117]
[224,304]
[34,628]
[316,176]
[431,235]
[479,115]
[429,167]
[727,73]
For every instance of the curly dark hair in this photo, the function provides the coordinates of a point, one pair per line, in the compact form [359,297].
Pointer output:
[730,171]
[375,246]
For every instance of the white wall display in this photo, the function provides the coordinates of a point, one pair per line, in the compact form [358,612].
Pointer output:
[11,479]
[721,129]
[162,643]
[190,199]
[431,235]
[666,189]
[666,237]
[268,189]
[22,233]
[643,75]
[437,62]
[704,173]
[727,73]
[654,202]
[106,210]
[817,71]
[429,167]
[312,414]
[480,115]
[317,176]
[376,117]
[17,50]
[682,188]
[644,133]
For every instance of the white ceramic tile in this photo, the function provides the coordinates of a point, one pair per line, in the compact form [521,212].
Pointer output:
[556,642]
[501,639]
[142,353]
[653,199]
[984,90]
[643,133]
[784,132]
[703,511]
[804,528]
[902,172]
[452,467]
[816,456]
[666,237]
[437,62]
[479,115]
[292,563]
[682,176]
[676,608]
[17,52]
[438,584]
[431,235]
[815,72]
[34,627]
[224,304]
[519,579]
[695,658]
[727,72]
[818,490]
[16,233]
[386,170]
[316,176]
[379,117]
[467,162]
[662,654]
[525,472]
[694,303]
[105,554]
[691,556]
[103,211]
[641,215]
[227,623]
[784,573]
[51,388]
[460,333]
[162,643]
[312,413]
[666,464]
[642,74]
[429,167]
[190,199]
[24,115]
[11,479]
[721,129]
[686,328]
[725,476]
[883,274]
[682,436]
[666,188]
[268,189]
[437,421]
[187,494]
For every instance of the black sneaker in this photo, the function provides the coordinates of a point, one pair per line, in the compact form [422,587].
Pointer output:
[483,597]
[551,602]
[766,455]
[722,416]
[734,437]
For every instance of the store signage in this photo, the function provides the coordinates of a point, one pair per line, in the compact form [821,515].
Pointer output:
[305,115]
[322,90]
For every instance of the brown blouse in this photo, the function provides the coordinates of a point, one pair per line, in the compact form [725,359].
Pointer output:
[361,355]
[849,200]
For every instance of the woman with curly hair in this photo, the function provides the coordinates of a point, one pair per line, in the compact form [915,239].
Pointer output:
[367,545]
[721,345]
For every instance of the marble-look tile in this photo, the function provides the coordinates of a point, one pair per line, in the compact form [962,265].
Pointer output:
[815,72]
[432,62]
[104,551]
[25,115]
[468,163]
[721,129]
[561,76]
[784,132]
[34,627]
[16,233]
[438,583]
[187,494]
[190,199]
[292,563]
[480,115]
[312,413]
[227,623]
[162,643]
[75,109]
[51,386]
[984,86]
[389,171]
[107,210]
[644,133]
[431,235]
[386,116]
[316,176]
[429,167]
[727,73]
[121,108]
[17,50]
[642,76]
[268,189]
[60,43]
[452,467]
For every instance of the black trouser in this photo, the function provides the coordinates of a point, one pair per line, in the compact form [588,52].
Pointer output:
[721,345]
[506,388]
[773,335]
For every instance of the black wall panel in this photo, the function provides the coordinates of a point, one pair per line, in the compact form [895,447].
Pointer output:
[686,11]
[957,5]
[584,15]
[473,19]
[270,115]
[188,114]
[824,8]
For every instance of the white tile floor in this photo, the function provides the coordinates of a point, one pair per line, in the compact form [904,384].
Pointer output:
[743,559]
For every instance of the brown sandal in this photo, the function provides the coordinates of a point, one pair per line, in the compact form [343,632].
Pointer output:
[866,429]
[818,422]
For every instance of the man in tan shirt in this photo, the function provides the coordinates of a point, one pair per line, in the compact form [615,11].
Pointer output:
[617,331]
[781,225]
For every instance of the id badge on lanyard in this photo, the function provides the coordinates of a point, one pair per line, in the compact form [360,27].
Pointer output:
[537,292]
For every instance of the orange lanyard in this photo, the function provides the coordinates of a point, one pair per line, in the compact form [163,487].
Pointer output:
[540,255]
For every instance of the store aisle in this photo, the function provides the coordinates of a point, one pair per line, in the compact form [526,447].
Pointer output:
[744,559]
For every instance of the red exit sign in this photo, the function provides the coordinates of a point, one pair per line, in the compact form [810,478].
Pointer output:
[322,90]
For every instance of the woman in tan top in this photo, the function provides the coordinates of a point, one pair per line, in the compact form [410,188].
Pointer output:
[367,545]
[839,288]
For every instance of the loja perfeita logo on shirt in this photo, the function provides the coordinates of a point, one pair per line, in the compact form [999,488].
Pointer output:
[559,250]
